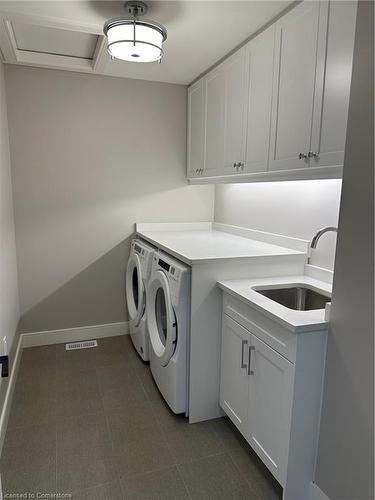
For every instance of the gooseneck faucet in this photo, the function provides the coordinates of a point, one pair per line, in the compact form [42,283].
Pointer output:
[319,234]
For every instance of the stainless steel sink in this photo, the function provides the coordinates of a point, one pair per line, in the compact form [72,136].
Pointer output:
[299,298]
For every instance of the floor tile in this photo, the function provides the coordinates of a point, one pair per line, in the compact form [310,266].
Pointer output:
[79,471]
[82,381]
[29,408]
[227,433]
[36,381]
[74,362]
[215,478]
[256,474]
[82,434]
[31,445]
[149,386]
[129,426]
[144,454]
[246,460]
[31,479]
[165,417]
[99,418]
[78,393]
[165,484]
[192,441]
[120,388]
[39,356]
[109,491]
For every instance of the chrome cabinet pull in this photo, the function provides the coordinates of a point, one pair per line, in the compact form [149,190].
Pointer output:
[302,156]
[249,370]
[244,342]
[311,154]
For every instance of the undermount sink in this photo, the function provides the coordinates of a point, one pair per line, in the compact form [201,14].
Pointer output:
[299,298]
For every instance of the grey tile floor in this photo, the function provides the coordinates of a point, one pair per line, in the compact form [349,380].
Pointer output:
[91,423]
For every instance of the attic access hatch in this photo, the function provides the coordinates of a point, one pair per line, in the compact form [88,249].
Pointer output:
[46,43]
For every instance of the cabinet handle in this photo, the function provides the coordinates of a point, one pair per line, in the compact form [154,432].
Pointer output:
[249,370]
[234,165]
[302,156]
[311,154]
[243,365]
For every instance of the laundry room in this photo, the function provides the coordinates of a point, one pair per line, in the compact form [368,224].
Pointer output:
[187,246]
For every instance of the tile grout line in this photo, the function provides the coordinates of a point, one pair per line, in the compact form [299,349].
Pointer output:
[183,481]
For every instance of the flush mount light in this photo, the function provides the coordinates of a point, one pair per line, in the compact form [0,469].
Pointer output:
[132,39]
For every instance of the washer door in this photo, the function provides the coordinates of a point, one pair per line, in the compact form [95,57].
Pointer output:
[135,292]
[161,318]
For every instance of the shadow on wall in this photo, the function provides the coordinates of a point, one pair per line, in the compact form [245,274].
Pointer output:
[94,296]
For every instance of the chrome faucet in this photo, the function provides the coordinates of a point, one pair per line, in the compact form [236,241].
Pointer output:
[319,234]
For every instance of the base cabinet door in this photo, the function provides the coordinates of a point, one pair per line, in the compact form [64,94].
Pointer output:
[234,382]
[270,406]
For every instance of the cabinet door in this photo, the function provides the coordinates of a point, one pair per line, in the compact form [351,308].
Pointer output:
[195,129]
[260,74]
[235,100]
[234,381]
[270,406]
[214,122]
[298,79]
[328,140]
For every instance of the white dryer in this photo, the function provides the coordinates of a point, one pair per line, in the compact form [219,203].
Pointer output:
[137,274]
[168,312]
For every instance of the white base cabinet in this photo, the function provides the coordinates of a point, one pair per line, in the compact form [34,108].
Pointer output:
[272,395]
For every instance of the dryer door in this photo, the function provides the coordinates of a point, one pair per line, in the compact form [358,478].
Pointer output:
[161,318]
[135,292]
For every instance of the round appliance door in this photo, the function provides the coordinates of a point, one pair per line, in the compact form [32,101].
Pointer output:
[135,293]
[161,318]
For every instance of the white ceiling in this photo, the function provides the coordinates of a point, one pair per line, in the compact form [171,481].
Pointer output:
[68,35]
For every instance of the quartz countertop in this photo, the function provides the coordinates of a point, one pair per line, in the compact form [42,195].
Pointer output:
[297,321]
[200,243]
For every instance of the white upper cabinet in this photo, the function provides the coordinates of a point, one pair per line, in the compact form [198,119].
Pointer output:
[259,58]
[278,107]
[196,129]
[298,84]
[235,97]
[214,122]
[329,140]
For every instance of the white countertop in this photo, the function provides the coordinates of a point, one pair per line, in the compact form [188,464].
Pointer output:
[201,243]
[297,321]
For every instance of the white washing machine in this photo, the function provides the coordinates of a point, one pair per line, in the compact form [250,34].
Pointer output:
[168,312]
[137,274]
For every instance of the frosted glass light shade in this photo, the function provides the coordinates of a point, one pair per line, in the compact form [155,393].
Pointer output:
[136,41]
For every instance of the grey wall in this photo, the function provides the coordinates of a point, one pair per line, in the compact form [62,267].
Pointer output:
[91,156]
[345,468]
[295,209]
[9,303]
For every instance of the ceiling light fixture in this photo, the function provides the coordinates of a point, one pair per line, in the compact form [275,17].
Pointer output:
[132,39]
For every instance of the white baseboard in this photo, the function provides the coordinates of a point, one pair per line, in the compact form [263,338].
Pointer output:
[9,392]
[316,493]
[72,334]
